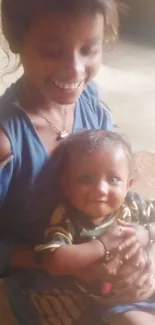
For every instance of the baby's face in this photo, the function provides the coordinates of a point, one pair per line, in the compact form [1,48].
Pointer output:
[97,182]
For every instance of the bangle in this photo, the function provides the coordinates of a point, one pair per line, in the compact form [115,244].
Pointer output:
[107,256]
[148,227]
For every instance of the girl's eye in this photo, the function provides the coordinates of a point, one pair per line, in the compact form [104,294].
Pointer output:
[114,181]
[51,53]
[89,51]
[87,179]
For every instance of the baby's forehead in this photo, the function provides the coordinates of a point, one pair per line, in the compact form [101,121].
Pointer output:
[112,154]
[87,152]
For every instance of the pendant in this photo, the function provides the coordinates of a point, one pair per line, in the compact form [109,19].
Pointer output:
[63,135]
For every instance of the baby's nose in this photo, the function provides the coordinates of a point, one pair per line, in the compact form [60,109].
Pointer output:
[103,187]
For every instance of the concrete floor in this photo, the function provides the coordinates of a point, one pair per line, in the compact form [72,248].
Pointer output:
[127,84]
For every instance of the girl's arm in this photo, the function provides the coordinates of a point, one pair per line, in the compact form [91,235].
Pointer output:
[10,254]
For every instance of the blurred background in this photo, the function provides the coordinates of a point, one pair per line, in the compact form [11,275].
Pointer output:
[126,84]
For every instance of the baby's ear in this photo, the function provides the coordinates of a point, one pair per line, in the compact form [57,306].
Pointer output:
[131,181]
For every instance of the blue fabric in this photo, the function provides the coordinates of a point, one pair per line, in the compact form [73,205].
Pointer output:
[108,312]
[25,204]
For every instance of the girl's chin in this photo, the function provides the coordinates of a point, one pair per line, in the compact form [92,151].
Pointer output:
[62,96]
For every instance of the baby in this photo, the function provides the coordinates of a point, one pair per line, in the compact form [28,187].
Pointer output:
[93,171]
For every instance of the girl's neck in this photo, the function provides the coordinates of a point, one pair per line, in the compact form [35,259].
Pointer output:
[33,101]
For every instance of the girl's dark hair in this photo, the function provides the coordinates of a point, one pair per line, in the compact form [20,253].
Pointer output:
[18,15]
[84,143]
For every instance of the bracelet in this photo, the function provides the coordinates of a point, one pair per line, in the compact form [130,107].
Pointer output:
[148,227]
[107,257]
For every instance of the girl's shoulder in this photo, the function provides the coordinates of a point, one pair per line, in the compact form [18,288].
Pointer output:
[6,101]
[8,108]
[91,95]
[10,122]
[17,127]
[93,112]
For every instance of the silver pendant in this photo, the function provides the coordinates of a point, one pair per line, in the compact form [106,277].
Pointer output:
[63,135]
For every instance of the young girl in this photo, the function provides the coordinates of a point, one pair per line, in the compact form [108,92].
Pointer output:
[60,46]
[94,170]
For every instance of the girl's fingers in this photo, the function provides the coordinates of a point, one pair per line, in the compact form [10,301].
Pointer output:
[127,243]
[131,279]
[124,223]
[143,280]
[142,263]
[135,278]
[141,292]
[148,288]
[128,231]
[114,265]
[135,248]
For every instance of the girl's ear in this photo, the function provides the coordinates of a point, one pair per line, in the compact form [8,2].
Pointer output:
[130,182]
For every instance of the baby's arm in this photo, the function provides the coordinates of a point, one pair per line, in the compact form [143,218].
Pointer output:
[67,259]
[61,256]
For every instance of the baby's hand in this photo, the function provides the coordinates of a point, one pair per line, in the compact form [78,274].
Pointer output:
[132,245]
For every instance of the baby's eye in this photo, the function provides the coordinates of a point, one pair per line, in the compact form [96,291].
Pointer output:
[87,179]
[114,181]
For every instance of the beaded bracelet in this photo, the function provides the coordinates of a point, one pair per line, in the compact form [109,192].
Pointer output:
[148,227]
[107,257]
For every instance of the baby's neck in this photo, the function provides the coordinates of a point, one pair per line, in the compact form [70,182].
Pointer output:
[99,221]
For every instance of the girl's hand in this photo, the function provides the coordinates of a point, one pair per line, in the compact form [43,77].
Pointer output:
[133,284]
[133,244]
[93,273]
[138,286]
[114,236]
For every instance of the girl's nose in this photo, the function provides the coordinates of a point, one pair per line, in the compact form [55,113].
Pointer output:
[74,68]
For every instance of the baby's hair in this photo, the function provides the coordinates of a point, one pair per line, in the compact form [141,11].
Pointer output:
[84,143]
[18,15]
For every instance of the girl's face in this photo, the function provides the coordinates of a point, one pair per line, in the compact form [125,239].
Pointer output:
[98,184]
[61,53]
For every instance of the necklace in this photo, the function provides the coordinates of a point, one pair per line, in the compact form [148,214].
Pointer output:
[61,134]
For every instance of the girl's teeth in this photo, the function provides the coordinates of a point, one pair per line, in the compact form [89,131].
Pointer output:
[67,86]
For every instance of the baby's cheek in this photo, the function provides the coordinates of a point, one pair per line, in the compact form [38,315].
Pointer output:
[117,198]
[79,196]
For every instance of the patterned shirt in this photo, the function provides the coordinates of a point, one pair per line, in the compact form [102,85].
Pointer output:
[77,228]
